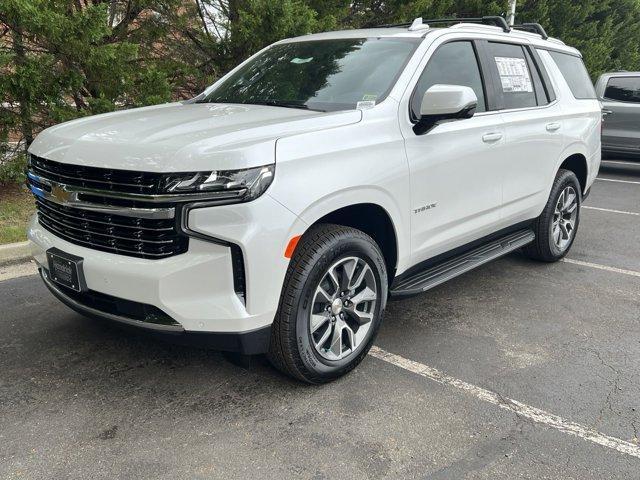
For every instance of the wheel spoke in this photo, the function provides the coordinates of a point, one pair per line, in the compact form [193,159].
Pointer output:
[334,279]
[359,316]
[317,320]
[556,234]
[324,337]
[349,268]
[336,341]
[560,203]
[324,294]
[351,336]
[569,228]
[565,232]
[570,199]
[366,295]
[361,276]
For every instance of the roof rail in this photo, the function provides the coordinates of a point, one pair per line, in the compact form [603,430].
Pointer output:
[532,28]
[489,20]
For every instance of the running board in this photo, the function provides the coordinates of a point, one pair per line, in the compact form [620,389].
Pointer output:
[452,267]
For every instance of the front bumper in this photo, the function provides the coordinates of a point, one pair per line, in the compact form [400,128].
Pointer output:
[247,343]
[196,288]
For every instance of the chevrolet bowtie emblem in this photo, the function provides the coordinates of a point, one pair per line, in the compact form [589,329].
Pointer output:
[60,195]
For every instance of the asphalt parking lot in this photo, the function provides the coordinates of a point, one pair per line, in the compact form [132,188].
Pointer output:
[515,370]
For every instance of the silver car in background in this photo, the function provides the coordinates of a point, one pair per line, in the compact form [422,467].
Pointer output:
[620,96]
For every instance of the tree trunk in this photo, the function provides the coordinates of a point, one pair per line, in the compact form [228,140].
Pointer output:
[24,109]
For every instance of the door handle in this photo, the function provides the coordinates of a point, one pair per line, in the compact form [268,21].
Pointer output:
[607,112]
[553,127]
[491,137]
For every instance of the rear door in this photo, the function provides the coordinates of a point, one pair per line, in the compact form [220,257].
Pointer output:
[621,129]
[533,127]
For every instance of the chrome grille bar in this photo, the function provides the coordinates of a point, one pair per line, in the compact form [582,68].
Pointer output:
[77,218]
[71,193]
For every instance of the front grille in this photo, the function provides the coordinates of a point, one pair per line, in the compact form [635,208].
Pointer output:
[107,179]
[104,209]
[136,237]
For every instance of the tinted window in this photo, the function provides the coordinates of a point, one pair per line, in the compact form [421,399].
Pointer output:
[575,73]
[623,89]
[452,64]
[541,94]
[322,75]
[511,69]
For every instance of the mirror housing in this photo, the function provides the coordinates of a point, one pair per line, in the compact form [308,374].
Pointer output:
[445,103]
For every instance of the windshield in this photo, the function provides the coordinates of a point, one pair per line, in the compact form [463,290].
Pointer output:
[324,75]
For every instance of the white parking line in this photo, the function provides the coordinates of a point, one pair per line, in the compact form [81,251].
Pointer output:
[618,181]
[602,267]
[518,408]
[611,211]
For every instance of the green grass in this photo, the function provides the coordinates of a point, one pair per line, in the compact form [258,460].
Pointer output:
[16,207]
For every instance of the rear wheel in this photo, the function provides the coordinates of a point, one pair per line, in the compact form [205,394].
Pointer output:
[557,226]
[331,306]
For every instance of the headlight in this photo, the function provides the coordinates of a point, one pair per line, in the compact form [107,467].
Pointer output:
[253,181]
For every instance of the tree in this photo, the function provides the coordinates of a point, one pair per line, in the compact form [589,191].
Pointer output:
[607,32]
[60,59]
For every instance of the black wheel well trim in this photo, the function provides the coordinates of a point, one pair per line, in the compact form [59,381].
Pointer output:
[381,228]
[577,163]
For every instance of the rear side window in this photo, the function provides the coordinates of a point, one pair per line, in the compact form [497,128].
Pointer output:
[453,63]
[511,69]
[575,73]
[623,89]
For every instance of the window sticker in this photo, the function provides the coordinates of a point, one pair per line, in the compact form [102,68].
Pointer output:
[368,97]
[514,75]
[365,104]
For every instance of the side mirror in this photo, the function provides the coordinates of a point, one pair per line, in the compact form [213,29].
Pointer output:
[444,103]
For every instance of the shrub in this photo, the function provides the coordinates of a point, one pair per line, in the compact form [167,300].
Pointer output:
[12,169]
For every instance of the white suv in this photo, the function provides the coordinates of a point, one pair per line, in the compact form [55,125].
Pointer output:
[277,211]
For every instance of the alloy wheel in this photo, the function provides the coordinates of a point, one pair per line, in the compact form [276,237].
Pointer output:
[564,218]
[343,307]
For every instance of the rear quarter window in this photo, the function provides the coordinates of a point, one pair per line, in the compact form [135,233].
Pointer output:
[623,89]
[575,74]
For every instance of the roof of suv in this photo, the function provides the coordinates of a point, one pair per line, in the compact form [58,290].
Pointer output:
[407,32]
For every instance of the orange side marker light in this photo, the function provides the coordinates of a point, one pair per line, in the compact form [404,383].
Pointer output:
[291,247]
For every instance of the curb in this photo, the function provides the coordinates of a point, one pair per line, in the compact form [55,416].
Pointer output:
[13,253]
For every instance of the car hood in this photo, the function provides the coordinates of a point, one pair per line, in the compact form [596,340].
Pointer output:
[181,136]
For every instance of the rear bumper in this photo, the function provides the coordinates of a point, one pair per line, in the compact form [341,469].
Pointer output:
[247,343]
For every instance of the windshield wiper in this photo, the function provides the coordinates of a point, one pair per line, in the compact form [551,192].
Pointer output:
[270,103]
[284,104]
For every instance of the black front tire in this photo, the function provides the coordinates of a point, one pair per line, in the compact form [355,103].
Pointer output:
[291,350]
[543,248]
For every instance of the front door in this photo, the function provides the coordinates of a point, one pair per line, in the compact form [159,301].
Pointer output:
[456,182]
